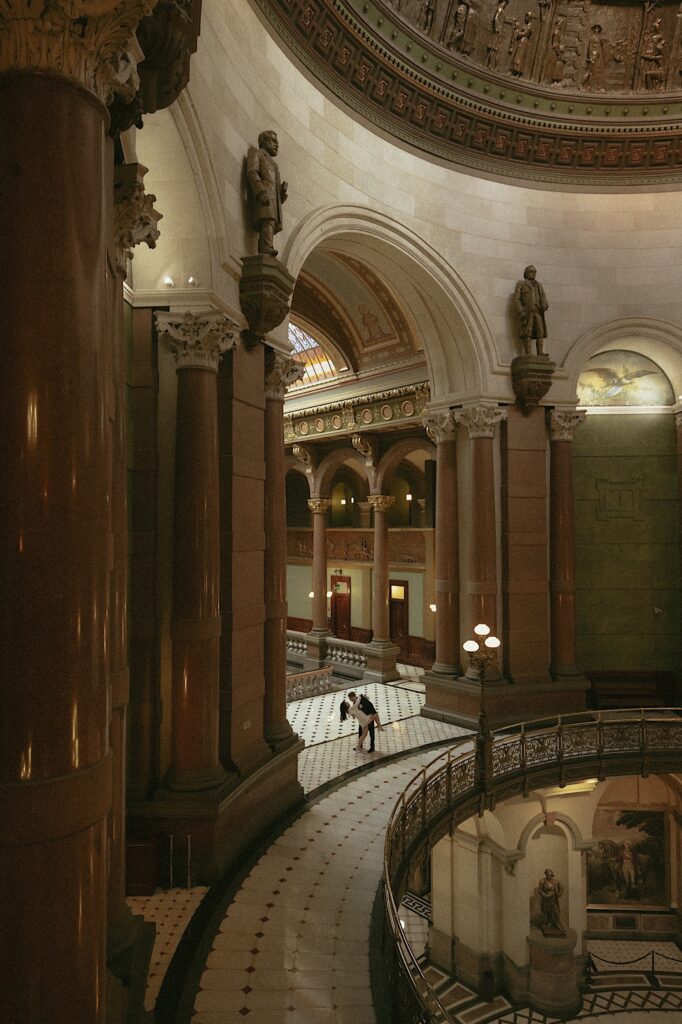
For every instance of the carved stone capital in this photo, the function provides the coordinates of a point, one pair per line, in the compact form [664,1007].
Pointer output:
[319,506]
[280,373]
[305,455]
[91,42]
[564,423]
[168,38]
[480,420]
[380,502]
[198,339]
[265,288]
[531,379]
[135,219]
[441,426]
[366,447]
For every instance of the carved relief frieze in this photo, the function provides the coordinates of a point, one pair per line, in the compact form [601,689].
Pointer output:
[91,42]
[382,408]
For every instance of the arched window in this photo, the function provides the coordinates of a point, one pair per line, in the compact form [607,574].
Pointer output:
[318,363]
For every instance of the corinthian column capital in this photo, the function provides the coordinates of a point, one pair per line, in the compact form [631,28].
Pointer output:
[198,339]
[441,426]
[135,219]
[480,420]
[564,423]
[381,502]
[318,506]
[91,42]
[280,373]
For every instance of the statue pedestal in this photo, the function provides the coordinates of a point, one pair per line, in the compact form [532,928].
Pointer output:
[552,974]
[531,379]
[265,288]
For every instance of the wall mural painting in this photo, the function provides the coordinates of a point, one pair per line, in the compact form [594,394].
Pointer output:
[628,865]
[613,46]
[623,378]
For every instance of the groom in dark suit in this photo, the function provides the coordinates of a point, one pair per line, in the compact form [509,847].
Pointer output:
[365,705]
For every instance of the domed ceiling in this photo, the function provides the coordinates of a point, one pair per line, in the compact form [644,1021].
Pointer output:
[574,91]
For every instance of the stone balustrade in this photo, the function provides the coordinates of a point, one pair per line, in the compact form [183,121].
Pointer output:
[308,684]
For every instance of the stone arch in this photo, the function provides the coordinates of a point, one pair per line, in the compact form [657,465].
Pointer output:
[391,459]
[570,826]
[457,342]
[657,339]
[324,473]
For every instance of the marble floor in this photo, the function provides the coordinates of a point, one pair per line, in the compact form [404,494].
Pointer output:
[293,945]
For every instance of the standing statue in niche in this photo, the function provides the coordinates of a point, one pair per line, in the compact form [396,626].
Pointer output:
[268,192]
[519,48]
[551,890]
[495,39]
[595,60]
[554,61]
[651,57]
[531,303]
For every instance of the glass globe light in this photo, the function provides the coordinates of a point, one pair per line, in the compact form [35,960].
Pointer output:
[481,629]
[470,646]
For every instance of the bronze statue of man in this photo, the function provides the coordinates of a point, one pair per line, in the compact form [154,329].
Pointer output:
[551,890]
[268,192]
[531,303]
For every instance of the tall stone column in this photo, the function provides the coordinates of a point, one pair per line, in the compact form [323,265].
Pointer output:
[198,340]
[381,653]
[319,508]
[58,71]
[442,429]
[480,422]
[562,426]
[280,373]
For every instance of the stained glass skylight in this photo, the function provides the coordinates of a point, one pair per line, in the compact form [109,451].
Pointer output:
[309,352]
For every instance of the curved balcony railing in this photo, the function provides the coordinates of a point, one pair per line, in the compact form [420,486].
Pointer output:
[474,776]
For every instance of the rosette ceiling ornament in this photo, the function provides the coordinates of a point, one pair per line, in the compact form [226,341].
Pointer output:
[574,91]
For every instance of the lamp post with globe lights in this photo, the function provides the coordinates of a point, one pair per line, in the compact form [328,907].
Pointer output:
[483,660]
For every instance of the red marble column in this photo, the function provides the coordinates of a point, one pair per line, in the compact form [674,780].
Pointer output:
[55,452]
[482,587]
[281,371]
[442,429]
[563,425]
[135,221]
[198,341]
[319,508]
[380,619]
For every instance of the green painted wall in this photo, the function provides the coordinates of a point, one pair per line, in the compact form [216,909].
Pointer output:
[627,543]
[299,585]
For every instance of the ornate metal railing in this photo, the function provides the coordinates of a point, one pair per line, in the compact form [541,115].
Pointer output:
[490,767]
[307,684]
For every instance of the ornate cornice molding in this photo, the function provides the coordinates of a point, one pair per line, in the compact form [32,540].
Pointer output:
[135,219]
[91,42]
[563,424]
[480,420]
[381,502]
[197,339]
[371,411]
[438,101]
[280,373]
[319,506]
[441,426]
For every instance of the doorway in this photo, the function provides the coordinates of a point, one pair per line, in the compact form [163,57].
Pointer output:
[398,616]
[340,588]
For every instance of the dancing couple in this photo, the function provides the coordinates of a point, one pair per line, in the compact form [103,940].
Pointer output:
[362,709]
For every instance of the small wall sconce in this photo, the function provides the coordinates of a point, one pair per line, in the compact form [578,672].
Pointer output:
[311,594]
[408,497]
[168,281]
[192,281]
[433,607]
[343,501]
[329,593]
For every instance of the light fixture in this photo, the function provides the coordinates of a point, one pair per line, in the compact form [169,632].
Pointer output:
[408,496]
[352,501]
[329,593]
[192,281]
[433,607]
[482,651]
[311,594]
[343,501]
[168,281]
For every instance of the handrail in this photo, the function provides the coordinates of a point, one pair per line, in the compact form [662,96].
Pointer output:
[467,779]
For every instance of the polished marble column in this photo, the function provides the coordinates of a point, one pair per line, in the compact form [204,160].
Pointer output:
[562,426]
[319,508]
[280,372]
[480,422]
[198,341]
[442,429]
[57,73]
[380,618]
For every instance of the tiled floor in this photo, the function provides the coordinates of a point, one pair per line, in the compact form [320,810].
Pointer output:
[293,946]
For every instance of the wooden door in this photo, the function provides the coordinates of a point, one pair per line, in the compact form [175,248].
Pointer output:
[398,616]
[340,588]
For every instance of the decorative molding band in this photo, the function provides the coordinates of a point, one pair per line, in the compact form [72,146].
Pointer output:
[135,219]
[480,420]
[280,373]
[381,502]
[441,426]
[563,425]
[91,42]
[197,339]
[382,408]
